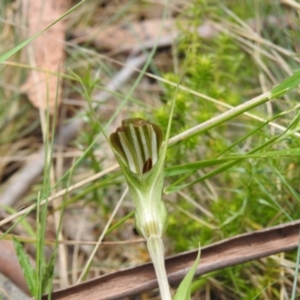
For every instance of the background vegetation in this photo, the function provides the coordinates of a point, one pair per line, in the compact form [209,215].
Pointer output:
[245,48]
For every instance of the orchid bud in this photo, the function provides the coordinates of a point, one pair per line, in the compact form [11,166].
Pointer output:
[137,145]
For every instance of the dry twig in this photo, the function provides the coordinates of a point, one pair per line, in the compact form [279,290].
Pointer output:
[229,252]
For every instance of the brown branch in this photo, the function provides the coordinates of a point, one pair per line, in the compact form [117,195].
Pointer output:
[229,252]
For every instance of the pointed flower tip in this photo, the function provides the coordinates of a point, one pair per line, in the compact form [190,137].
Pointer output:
[137,142]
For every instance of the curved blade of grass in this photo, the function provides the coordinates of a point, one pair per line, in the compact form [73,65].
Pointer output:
[48,272]
[120,222]
[175,187]
[184,289]
[291,189]
[27,269]
[190,167]
[230,147]
[288,84]
[13,51]
[272,199]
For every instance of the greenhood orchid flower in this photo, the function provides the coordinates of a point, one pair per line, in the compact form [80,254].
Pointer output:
[138,144]
[138,148]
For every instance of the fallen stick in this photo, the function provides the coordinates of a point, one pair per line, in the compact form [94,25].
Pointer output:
[223,254]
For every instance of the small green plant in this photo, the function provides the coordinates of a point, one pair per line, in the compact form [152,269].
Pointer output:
[137,145]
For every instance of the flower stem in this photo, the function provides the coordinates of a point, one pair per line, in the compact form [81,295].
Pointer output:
[156,251]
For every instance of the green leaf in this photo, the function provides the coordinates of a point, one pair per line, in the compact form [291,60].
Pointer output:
[48,272]
[120,222]
[288,84]
[190,167]
[27,269]
[184,290]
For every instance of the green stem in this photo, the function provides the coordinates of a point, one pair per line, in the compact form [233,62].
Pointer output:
[156,251]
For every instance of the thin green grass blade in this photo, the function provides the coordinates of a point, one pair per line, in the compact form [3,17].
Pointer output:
[190,167]
[120,222]
[285,86]
[175,187]
[40,260]
[271,197]
[27,269]
[198,284]
[294,193]
[184,290]
[13,51]
[48,272]
[175,171]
